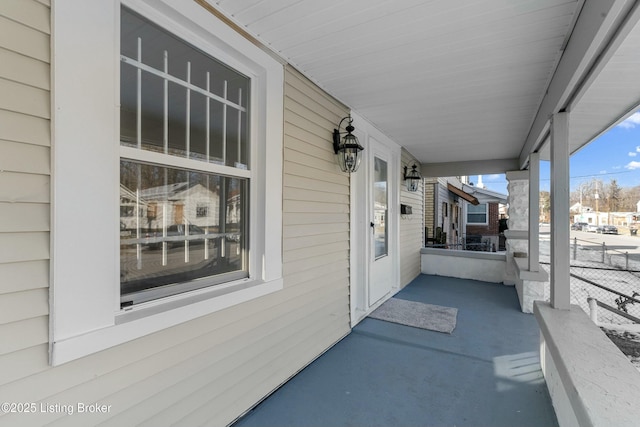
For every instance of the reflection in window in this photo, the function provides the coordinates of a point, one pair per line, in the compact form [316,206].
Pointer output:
[380,207]
[202,211]
[189,225]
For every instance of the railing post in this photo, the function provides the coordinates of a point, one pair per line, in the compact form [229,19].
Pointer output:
[603,250]
[626,260]
[575,248]
[593,310]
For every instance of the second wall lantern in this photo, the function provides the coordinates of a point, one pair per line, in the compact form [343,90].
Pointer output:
[347,148]
[412,178]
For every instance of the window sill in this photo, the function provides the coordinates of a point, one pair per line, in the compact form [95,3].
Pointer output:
[139,322]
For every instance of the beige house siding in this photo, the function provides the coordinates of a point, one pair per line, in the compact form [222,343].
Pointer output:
[204,372]
[24,189]
[411,226]
[430,185]
[436,196]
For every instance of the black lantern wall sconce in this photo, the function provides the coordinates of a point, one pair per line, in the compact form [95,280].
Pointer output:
[347,148]
[412,178]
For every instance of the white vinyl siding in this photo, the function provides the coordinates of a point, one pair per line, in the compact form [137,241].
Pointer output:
[411,226]
[206,371]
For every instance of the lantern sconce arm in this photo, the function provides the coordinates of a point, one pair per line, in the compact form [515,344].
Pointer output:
[336,133]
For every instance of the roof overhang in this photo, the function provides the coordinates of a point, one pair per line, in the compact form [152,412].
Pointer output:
[458,192]
[486,196]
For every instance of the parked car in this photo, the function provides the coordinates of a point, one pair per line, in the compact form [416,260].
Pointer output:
[607,229]
[579,226]
[590,228]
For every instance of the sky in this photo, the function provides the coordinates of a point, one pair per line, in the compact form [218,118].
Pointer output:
[614,155]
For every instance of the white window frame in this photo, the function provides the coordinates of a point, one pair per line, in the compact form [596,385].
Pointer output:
[85,313]
[486,215]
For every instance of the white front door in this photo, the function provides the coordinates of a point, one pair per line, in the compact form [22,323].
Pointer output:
[381,221]
[374,271]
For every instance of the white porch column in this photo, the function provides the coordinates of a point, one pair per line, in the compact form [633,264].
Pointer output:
[560,291]
[534,212]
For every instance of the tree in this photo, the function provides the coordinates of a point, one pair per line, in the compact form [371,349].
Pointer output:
[545,206]
[613,196]
[629,198]
[586,194]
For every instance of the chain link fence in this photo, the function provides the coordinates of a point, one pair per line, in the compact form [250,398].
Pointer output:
[606,280]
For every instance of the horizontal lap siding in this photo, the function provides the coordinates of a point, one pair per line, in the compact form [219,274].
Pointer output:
[430,186]
[207,371]
[24,193]
[411,227]
[316,205]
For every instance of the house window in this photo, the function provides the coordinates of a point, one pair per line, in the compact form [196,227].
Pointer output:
[202,211]
[177,121]
[178,102]
[477,214]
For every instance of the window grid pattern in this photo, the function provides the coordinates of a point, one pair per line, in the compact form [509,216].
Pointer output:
[213,243]
[189,87]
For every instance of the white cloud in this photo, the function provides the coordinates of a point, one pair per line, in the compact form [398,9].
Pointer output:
[631,121]
[638,149]
[494,177]
[632,153]
[633,165]
[603,172]
[617,167]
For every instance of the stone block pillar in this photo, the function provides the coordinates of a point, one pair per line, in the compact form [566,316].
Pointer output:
[529,282]
[517,236]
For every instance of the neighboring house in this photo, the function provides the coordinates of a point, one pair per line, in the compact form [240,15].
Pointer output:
[444,201]
[483,219]
[181,203]
[578,207]
[159,321]
[460,210]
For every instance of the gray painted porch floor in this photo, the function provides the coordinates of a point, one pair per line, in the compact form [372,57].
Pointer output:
[486,373]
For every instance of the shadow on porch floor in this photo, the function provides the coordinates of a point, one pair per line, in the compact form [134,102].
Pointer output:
[486,373]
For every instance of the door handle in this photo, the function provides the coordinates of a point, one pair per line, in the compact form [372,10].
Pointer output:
[373,227]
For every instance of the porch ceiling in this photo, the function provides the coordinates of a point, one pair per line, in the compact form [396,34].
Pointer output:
[452,82]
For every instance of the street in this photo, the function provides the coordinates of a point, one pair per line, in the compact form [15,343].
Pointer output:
[618,242]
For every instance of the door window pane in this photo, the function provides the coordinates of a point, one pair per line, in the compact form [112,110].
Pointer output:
[380,208]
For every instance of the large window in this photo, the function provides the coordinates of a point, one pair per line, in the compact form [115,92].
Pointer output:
[167,171]
[477,214]
[178,102]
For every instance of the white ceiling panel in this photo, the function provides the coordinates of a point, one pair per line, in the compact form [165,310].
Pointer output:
[451,81]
